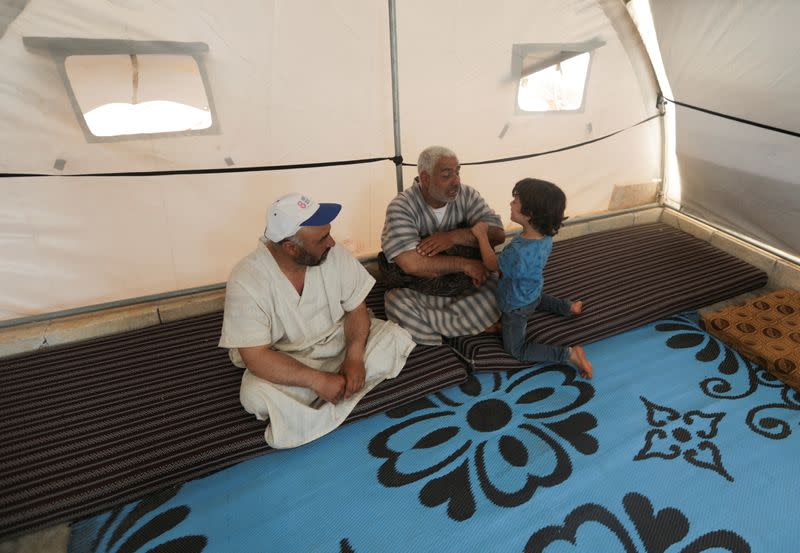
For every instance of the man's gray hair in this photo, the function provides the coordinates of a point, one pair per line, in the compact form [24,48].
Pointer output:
[294,239]
[430,156]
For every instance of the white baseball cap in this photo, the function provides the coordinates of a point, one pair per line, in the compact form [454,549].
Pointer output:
[289,213]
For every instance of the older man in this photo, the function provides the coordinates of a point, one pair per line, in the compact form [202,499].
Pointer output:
[295,318]
[424,226]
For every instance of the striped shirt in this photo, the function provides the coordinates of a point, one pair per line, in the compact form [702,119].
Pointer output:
[409,218]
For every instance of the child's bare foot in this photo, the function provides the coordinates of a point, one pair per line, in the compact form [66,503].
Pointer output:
[576,308]
[494,328]
[578,358]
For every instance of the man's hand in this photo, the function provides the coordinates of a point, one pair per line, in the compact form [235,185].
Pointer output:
[476,271]
[329,386]
[436,243]
[354,373]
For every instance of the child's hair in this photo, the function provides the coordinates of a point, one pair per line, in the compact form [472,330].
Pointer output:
[543,203]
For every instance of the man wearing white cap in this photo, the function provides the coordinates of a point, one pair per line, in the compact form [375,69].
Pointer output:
[295,318]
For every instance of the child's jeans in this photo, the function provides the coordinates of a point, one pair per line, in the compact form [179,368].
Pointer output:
[515,322]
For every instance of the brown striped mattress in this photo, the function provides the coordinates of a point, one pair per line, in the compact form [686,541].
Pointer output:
[626,278]
[88,426]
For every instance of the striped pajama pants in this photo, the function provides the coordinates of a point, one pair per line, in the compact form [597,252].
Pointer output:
[430,318]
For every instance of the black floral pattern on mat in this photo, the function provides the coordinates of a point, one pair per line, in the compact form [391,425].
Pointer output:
[344,547]
[524,424]
[739,377]
[657,531]
[115,536]
[690,435]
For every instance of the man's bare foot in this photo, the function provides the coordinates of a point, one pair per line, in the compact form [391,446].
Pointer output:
[578,358]
[494,328]
[576,308]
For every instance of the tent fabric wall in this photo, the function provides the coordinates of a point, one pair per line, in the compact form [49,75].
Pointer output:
[288,89]
[457,90]
[283,83]
[67,243]
[292,82]
[723,56]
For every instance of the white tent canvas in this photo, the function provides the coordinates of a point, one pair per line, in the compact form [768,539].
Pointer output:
[285,88]
[687,104]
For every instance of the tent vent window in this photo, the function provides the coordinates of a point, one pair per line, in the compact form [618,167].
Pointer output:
[139,94]
[558,87]
[552,77]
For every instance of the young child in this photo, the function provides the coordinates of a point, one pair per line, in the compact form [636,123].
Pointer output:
[539,207]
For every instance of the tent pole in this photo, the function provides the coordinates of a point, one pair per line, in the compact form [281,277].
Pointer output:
[395,93]
[111,305]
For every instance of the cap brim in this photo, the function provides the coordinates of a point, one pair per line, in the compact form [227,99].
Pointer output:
[324,215]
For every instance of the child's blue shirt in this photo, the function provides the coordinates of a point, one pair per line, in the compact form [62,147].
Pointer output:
[522,263]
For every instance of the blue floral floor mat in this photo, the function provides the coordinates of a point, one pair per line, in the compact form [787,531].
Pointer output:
[677,445]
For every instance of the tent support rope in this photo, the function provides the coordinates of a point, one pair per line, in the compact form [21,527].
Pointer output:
[737,119]
[563,149]
[397,160]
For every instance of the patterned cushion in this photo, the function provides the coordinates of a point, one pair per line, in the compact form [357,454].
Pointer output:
[626,278]
[766,330]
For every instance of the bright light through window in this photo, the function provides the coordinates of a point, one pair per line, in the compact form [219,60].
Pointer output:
[149,117]
[139,93]
[558,87]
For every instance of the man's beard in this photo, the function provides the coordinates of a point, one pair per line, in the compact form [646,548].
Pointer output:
[306,259]
[445,198]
